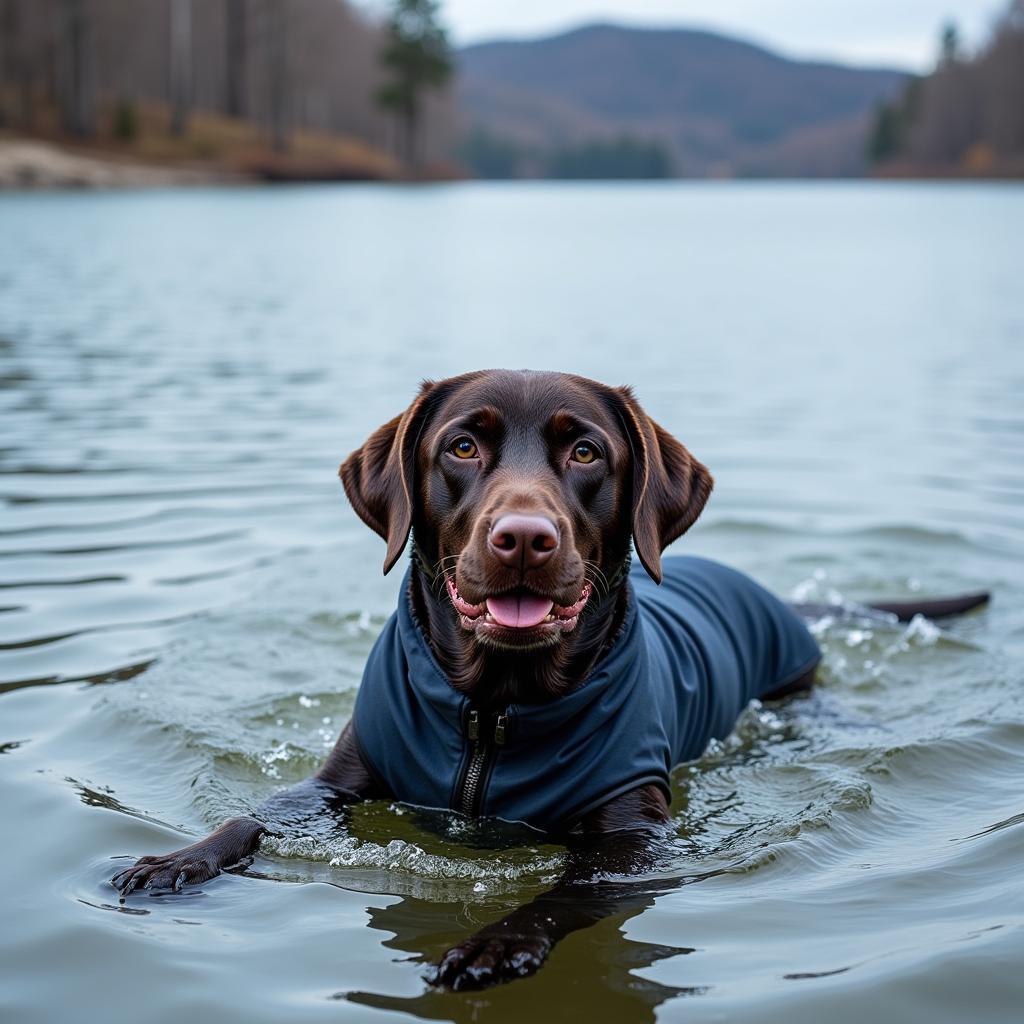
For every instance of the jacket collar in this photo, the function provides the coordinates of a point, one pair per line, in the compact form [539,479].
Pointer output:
[606,688]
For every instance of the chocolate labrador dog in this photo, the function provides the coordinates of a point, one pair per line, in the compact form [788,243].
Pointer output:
[528,674]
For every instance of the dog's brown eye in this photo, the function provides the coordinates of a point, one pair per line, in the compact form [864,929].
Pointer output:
[583,453]
[464,448]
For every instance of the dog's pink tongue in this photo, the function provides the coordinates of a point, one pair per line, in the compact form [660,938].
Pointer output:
[519,611]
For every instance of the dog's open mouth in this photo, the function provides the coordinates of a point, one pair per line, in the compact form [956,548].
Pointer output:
[518,611]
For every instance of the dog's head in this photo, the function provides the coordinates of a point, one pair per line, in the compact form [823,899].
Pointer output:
[523,491]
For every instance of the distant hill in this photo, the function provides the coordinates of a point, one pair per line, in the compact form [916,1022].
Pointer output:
[709,104]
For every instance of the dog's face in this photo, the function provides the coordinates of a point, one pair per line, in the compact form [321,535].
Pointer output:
[523,491]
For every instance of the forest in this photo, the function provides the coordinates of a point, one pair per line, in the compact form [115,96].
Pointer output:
[324,89]
[294,85]
[966,117]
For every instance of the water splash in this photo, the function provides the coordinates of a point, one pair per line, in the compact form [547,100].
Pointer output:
[411,857]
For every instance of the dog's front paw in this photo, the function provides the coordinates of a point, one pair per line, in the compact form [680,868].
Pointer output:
[490,957]
[168,871]
[230,846]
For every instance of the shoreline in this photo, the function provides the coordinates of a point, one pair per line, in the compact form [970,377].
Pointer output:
[42,165]
[34,165]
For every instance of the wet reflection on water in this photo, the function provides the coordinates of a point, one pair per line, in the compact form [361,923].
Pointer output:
[622,994]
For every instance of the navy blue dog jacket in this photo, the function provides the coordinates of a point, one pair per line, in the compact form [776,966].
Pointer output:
[691,654]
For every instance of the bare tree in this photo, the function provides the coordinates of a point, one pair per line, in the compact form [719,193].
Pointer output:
[8,37]
[277,79]
[282,64]
[180,37]
[1003,84]
[75,71]
[235,54]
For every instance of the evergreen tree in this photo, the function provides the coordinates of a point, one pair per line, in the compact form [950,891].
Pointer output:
[885,140]
[418,58]
[949,44]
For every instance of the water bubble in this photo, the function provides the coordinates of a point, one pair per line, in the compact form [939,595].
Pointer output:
[857,637]
[819,627]
[270,760]
[922,631]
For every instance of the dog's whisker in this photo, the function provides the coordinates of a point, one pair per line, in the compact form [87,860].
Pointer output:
[593,574]
[440,573]
[440,579]
[440,565]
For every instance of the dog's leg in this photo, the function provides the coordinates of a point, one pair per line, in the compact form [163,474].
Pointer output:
[625,837]
[343,780]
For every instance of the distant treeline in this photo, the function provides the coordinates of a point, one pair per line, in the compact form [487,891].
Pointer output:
[624,157]
[283,65]
[967,117]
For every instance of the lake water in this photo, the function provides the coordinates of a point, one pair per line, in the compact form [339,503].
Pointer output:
[187,600]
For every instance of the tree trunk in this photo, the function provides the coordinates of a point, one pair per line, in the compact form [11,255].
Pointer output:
[180,63]
[235,30]
[277,42]
[75,68]
[26,86]
[8,25]
[410,140]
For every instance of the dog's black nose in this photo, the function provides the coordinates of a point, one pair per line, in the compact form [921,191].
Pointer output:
[523,541]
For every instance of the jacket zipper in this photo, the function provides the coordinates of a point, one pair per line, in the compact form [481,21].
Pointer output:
[486,744]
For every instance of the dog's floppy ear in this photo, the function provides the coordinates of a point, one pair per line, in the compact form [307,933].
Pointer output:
[379,478]
[670,487]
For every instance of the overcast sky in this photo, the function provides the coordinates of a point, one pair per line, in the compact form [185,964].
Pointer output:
[903,33]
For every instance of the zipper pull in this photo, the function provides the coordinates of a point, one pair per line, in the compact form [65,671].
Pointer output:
[473,727]
[499,729]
